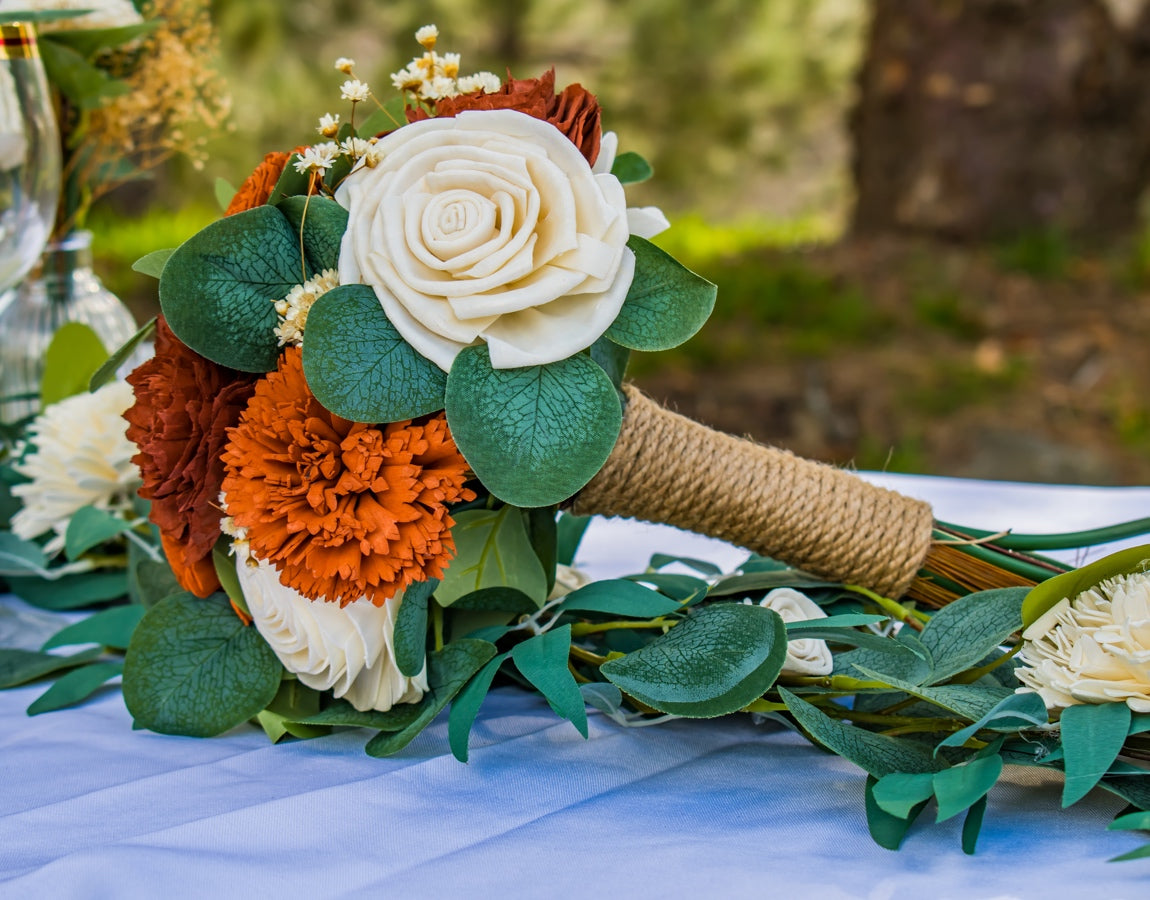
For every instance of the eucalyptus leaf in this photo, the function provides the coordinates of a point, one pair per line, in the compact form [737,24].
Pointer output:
[492,599]
[898,793]
[714,662]
[291,182]
[292,702]
[542,660]
[218,290]
[962,633]
[224,191]
[569,533]
[1045,596]
[887,831]
[71,591]
[107,371]
[702,566]
[1135,821]
[465,707]
[830,627]
[1017,711]
[533,435]
[612,359]
[410,635]
[73,355]
[448,670]
[619,597]
[155,580]
[358,365]
[194,669]
[971,701]
[21,557]
[153,263]
[960,787]
[684,588]
[342,713]
[75,686]
[111,627]
[603,696]
[884,655]
[22,666]
[1092,737]
[878,754]
[322,222]
[388,118]
[90,527]
[492,550]
[631,168]
[667,302]
[544,536]
[768,580]
[972,825]
[225,565]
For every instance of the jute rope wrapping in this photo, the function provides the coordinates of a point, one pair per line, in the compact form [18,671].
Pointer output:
[669,469]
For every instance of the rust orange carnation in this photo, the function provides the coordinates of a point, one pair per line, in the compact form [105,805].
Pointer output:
[258,187]
[183,408]
[343,510]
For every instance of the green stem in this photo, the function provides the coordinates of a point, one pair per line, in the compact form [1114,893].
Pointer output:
[1069,540]
[583,628]
[892,608]
[437,624]
[763,706]
[838,683]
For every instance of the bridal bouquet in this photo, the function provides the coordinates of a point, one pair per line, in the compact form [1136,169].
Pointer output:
[385,385]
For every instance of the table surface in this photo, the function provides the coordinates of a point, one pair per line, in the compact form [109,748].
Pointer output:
[90,808]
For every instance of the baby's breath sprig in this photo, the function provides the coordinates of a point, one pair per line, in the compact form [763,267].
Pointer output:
[433,76]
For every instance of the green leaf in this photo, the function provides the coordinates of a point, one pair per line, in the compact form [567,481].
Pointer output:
[155,581]
[569,533]
[972,825]
[388,118]
[324,222]
[619,597]
[542,660]
[1011,714]
[71,591]
[962,633]
[109,628]
[225,191]
[89,527]
[448,670]
[499,599]
[492,550]
[631,168]
[22,666]
[359,367]
[192,668]
[342,713]
[1092,736]
[107,371]
[20,557]
[898,793]
[534,435]
[602,695]
[410,636]
[90,41]
[960,787]
[885,655]
[292,702]
[225,565]
[612,359]
[1138,853]
[878,754]
[829,628]
[218,290]
[887,831]
[714,662]
[1135,821]
[153,263]
[465,707]
[291,182]
[75,686]
[702,566]
[1133,789]
[544,537]
[85,84]
[683,588]
[753,582]
[667,302]
[971,701]
[73,355]
[1045,596]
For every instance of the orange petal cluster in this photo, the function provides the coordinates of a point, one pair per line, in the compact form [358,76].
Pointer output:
[257,187]
[343,510]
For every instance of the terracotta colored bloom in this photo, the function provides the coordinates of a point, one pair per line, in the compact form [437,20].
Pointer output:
[184,405]
[343,510]
[258,186]
[574,111]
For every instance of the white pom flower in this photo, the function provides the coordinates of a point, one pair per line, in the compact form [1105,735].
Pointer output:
[344,64]
[487,82]
[1094,648]
[82,457]
[348,650]
[328,125]
[427,35]
[354,90]
[805,656]
[489,226]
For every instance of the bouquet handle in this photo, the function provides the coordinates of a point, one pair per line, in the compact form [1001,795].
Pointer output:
[669,469]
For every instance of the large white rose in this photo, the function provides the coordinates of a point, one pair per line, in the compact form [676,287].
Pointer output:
[1093,648]
[348,650]
[489,226]
[805,656]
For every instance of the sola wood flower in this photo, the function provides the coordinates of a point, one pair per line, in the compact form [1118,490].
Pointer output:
[1094,648]
[348,650]
[490,226]
[342,509]
[81,458]
[184,406]
[805,656]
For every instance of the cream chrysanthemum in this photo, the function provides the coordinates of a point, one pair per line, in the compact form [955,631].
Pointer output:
[82,457]
[1094,648]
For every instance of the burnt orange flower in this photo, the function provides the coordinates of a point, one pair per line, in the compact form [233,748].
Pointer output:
[258,186]
[184,405]
[342,509]
[574,111]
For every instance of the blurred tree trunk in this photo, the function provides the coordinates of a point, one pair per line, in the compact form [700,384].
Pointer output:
[981,118]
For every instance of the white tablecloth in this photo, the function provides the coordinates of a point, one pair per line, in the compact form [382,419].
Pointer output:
[726,808]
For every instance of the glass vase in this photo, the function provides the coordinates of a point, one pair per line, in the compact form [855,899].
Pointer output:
[64,288]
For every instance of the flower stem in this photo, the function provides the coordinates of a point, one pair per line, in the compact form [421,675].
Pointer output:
[892,608]
[582,628]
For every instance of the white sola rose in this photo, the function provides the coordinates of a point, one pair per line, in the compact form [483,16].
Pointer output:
[488,227]
[1094,648]
[805,656]
[81,457]
[348,650]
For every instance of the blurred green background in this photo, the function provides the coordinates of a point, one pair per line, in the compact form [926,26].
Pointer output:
[842,170]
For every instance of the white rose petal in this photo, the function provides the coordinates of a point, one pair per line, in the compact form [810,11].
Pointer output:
[491,227]
[348,650]
[805,656]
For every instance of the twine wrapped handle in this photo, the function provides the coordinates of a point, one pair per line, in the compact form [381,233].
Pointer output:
[669,469]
